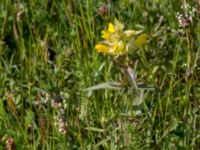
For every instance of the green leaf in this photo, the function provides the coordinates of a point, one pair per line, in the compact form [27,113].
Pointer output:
[94,129]
[107,85]
[132,77]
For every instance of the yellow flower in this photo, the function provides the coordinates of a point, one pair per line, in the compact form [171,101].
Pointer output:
[118,42]
[114,31]
[102,48]
[115,48]
[106,34]
[118,48]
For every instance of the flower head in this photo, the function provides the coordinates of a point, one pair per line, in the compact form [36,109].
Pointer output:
[117,41]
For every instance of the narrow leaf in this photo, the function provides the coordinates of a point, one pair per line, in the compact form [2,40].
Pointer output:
[107,85]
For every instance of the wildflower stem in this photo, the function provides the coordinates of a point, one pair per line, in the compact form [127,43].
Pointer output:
[189,55]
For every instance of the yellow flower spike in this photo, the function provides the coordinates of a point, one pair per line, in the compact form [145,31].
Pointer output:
[119,42]
[141,40]
[102,48]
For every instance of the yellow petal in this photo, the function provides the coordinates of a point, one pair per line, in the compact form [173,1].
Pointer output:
[101,48]
[119,48]
[106,34]
[111,28]
[141,40]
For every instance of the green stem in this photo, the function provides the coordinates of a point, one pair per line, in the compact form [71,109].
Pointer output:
[189,53]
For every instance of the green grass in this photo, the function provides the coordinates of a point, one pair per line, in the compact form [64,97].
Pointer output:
[47,56]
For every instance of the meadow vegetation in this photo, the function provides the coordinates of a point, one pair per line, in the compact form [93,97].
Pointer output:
[58,92]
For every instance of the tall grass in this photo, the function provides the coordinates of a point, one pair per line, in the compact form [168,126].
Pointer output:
[47,60]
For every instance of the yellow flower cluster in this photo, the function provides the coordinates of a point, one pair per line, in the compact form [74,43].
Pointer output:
[117,42]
